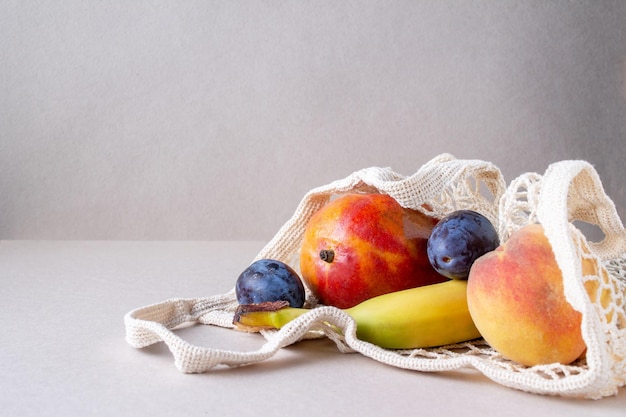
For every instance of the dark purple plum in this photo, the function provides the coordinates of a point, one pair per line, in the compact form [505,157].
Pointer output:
[458,240]
[268,280]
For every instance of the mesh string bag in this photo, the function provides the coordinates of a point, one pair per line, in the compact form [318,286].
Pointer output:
[567,193]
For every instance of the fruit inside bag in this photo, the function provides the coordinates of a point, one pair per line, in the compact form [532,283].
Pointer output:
[594,275]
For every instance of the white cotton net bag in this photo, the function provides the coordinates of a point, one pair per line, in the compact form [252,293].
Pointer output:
[568,192]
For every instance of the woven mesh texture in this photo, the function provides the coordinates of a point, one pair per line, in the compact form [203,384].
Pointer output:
[568,191]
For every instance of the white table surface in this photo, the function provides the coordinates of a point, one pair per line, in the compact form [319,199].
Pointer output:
[63,352]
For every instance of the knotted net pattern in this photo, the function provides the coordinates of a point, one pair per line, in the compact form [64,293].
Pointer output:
[594,276]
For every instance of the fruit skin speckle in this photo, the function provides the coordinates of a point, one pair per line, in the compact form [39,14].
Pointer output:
[458,240]
[269,280]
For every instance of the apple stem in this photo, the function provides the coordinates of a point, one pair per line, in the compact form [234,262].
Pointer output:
[327,255]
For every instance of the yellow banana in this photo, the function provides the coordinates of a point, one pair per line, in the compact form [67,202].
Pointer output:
[427,316]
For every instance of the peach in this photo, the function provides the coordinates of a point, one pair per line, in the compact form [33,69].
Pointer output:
[516,299]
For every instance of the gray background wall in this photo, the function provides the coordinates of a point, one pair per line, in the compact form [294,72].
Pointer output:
[209,120]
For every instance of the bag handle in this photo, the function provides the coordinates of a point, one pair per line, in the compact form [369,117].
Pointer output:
[572,190]
[574,187]
[154,323]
